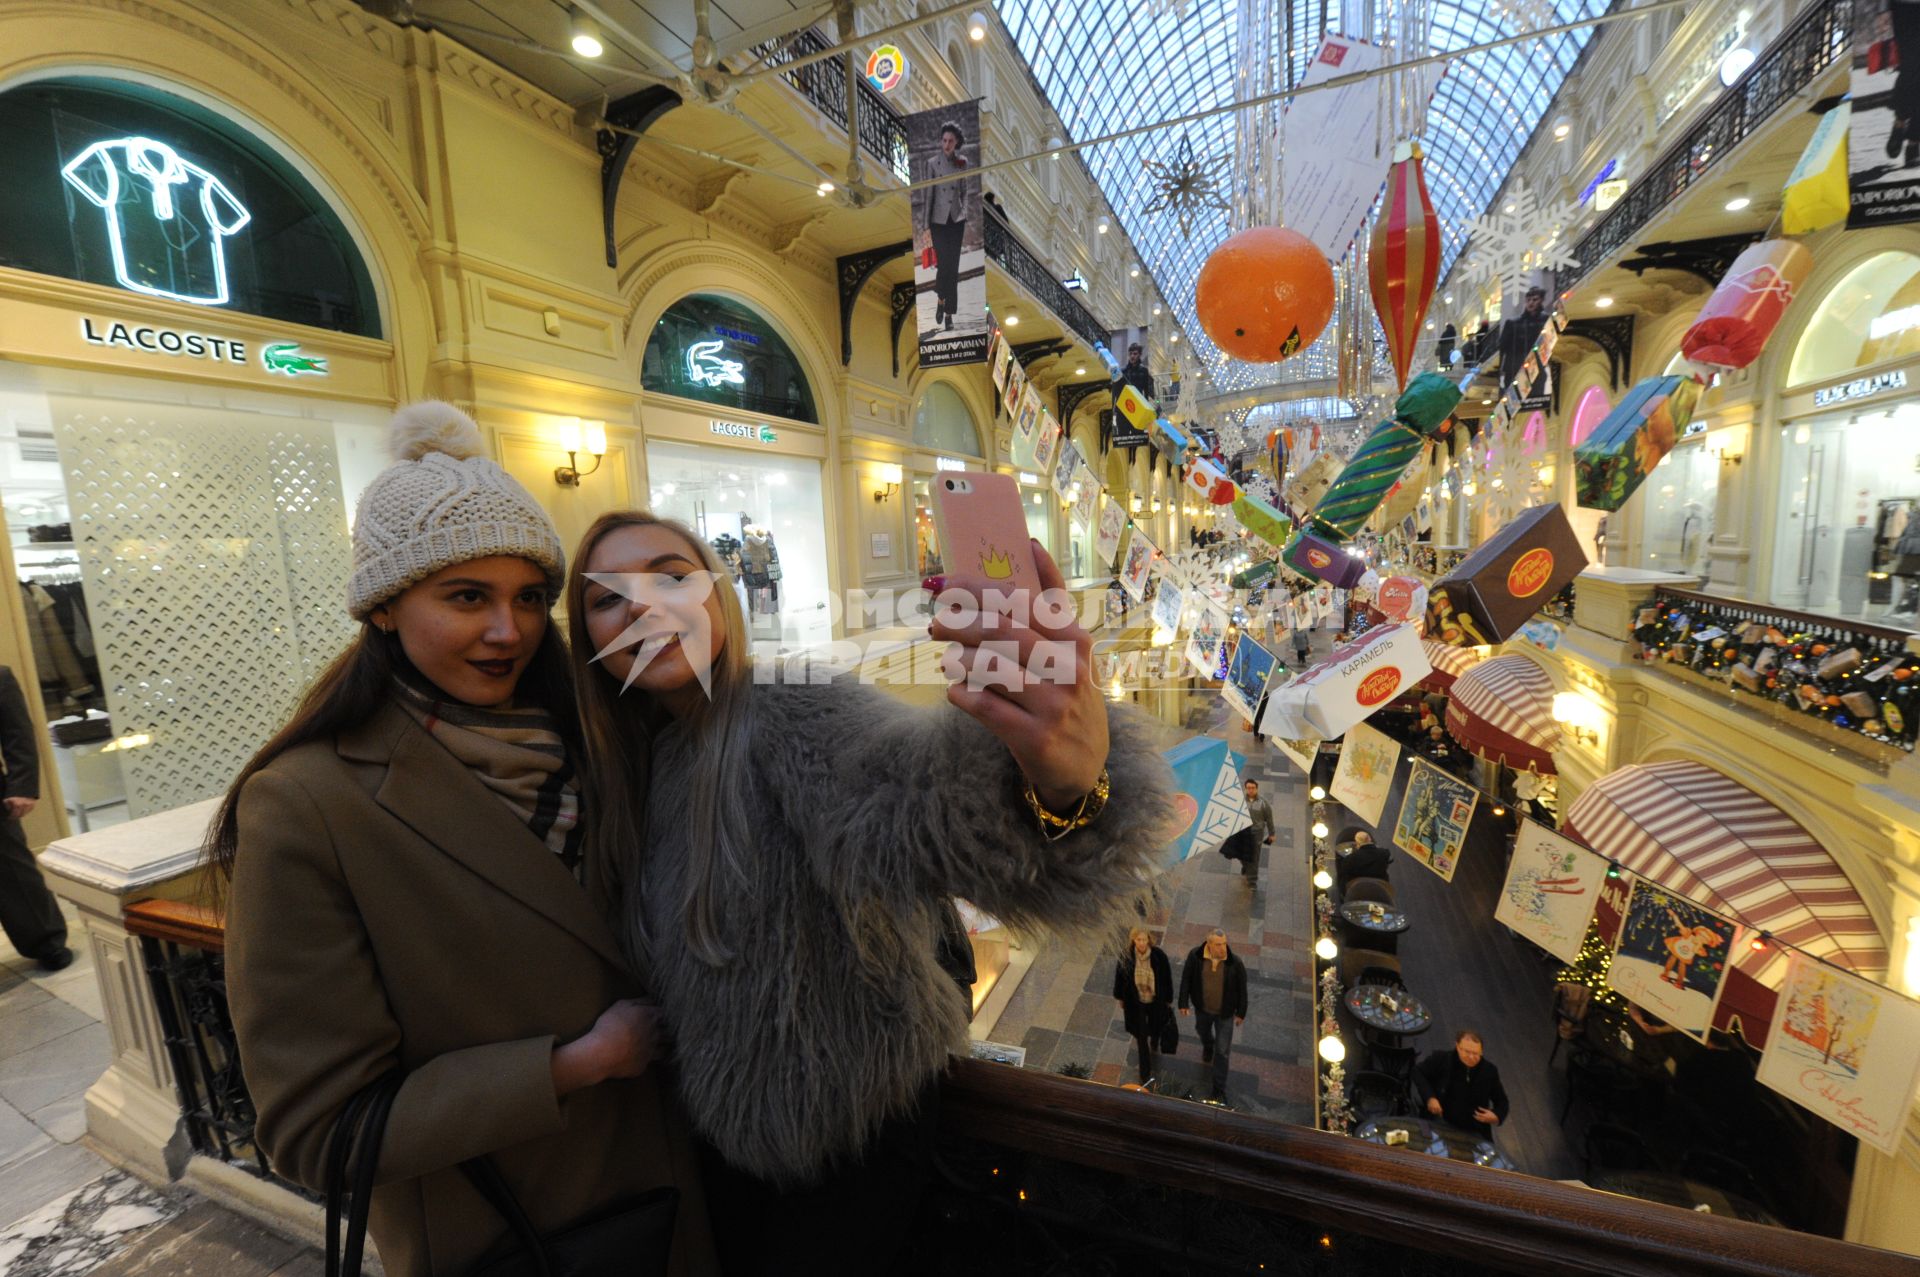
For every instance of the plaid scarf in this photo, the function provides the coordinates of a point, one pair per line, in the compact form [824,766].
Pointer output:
[519,754]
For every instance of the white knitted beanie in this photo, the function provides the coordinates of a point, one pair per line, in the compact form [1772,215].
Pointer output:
[441,503]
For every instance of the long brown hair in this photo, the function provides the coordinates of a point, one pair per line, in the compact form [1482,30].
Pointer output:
[348,693]
[617,763]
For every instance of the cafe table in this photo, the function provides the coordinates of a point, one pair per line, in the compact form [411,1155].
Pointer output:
[1389,1009]
[1370,915]
[1436,1139]
[1677,1190]
[1625,1044]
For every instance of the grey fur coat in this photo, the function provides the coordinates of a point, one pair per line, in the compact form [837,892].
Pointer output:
[864,814]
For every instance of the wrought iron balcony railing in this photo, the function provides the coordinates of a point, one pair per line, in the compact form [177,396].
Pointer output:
[1815,41]
[824,83]
[1005,250]
[1848,682]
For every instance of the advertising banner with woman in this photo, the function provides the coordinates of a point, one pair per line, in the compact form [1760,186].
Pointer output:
[949,238]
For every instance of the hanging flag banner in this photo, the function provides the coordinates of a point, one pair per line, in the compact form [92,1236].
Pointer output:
[1434,817]
[1210,807]
[1553,884]
[1883,149]
[1332,165]
[1247,677]
[1365,775]
[1672,957]
[1844,1049]
[1106,542]
[949,236]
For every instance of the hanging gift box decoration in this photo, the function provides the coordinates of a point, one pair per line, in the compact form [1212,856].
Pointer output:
[1418,415]
[1628,443]
[1511,576]
[1311,554]
[1401,598]
[1327,699]
[1737,320]
[1261,519]
[1205,479]
[1816,194]
[1308,484]
[1403,261]
[1264,294]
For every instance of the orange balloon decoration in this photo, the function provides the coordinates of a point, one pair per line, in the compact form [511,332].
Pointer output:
[1265,294]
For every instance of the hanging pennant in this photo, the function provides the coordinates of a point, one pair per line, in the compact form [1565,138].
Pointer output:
[1403,261]
[1249,672]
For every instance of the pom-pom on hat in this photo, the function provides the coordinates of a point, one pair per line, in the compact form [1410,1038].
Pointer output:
[442,502]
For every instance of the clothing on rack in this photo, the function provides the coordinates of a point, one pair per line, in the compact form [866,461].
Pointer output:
[727,546]
[61,636]
[760,567]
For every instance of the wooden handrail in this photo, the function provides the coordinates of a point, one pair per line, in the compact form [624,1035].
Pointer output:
[1508,1221]
[194,925]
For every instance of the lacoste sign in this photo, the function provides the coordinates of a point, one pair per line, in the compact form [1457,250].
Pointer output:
[284,357]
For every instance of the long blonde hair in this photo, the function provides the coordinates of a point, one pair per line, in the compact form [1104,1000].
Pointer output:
[618,766]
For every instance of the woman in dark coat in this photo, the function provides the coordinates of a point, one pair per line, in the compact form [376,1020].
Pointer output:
[1143,984]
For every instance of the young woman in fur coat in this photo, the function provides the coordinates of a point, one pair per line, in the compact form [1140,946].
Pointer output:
[780,854]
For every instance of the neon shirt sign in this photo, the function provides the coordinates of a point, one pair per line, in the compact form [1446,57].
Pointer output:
[167,218]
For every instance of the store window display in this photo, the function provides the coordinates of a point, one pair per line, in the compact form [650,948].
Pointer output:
[946,436]
[720,351]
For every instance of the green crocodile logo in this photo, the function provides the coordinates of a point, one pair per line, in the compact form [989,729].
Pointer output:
[767,435]
[286,357]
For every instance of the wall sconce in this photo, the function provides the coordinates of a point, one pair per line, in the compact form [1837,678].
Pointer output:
[577,436]
[1135,503]
[1579,717]
[891,476]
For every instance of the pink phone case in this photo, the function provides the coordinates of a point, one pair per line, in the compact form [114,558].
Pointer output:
[984,530]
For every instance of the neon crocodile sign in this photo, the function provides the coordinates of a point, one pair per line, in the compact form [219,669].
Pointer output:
[708,367]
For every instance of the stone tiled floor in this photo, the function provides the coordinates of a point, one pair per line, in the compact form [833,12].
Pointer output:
[1064,1013]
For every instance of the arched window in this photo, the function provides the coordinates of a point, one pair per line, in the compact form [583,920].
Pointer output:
[127,186]
[1588,413]
[942,423]
[1872,316]
[719,351]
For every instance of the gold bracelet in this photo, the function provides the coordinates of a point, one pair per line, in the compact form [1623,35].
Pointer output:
[1091,805]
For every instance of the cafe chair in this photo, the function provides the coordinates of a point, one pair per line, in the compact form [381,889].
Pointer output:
[1615,1148]
[1384,1056]
[1369,966]
[1356,937]
[1604,1085]
[1378,890]
[1725,1174]
[1570,1005]
[1374,1094]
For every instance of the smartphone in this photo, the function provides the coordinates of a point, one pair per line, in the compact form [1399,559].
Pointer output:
[983,529]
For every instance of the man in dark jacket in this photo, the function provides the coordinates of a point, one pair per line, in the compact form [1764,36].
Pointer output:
[1214,984]
[28,912]
[1363,858]
[1461,1087]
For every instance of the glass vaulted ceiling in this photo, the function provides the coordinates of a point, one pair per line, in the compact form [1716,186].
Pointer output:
[1108,65]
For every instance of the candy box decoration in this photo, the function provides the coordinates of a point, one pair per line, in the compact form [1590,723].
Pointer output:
[1401,598]
[1261,519]
[1625,447]
[1327,699]
[1733,327]
[1516,572]
[1324,560]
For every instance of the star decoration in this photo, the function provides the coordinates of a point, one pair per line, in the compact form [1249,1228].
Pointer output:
[1185,185]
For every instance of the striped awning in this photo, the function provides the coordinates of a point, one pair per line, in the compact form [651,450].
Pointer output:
[1716,842]
[1502,709]
[1449,662]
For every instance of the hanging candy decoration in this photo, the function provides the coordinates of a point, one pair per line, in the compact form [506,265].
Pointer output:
[1737,320]
[1403,262]
[1265,294]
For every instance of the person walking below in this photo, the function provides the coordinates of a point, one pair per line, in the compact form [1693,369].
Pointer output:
[947,222]
[28,912]
[1461,1087]
[407,889]
[1260,833]
[1213,983]
[1143,983]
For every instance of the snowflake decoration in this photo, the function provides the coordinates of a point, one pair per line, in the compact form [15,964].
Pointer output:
[1528,15]
[1185,185]
[1523,237]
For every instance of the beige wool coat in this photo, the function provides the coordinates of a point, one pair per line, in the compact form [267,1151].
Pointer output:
[387,909]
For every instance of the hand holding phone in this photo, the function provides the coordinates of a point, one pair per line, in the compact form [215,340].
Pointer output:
[983,530]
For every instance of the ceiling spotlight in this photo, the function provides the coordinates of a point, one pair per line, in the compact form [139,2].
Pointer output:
[1101,227]
[1561,128]
[1054,144]
[977,26]
[1156,310]
[1012,320]
[1134,272]
[1447,300]
[1603,302]
[1737,197]
[1735,64]
[584,34]
[1175,338]
[823,190]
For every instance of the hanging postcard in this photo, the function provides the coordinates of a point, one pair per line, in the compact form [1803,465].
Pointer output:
[1844,1049]
[1026,429]
[1207,645]
[1001,357]
[1046,442]
[1365,775]
[1113,522]
[1169,606]
[1553,884]
[1672,957]
[1016,382]
[1434,817]
[1086,495]
[1139,562]
[1247,676]
[1064,465]
[949,235]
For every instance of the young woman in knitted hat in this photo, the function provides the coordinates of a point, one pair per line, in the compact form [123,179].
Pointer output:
[407,889]
[784,855]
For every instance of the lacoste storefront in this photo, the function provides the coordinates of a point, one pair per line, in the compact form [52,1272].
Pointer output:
[194,381]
